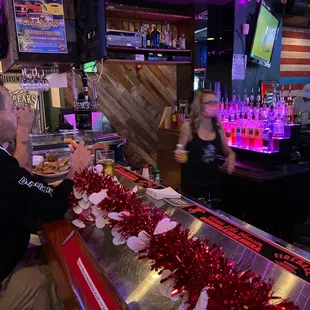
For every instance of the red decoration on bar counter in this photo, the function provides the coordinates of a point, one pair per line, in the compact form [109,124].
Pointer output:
[196,268]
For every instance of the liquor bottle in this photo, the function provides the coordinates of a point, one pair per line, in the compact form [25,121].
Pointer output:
[278,127]
[281,103]
[282,93]
[175,118]
[175,43]
[155,38]
[258,98]
[149,37]
[143,31]
[252,97]
[288,108]
[292,108]
[265,100]
[162,38]
[183,42]
[267,140]
[245,132]
[238,130]
[271,117]
[233,96]
[245,98]
[251,132]
[168,40]
[228,131]
[234,129]
[258,143]
[83,115]
[157,175]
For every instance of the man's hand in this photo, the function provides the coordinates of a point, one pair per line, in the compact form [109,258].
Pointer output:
[25,118]
[80,159]
[23,151]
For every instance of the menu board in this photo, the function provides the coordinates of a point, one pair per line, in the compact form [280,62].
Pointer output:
[40,26]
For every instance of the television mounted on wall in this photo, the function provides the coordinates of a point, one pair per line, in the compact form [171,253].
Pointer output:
[265,36]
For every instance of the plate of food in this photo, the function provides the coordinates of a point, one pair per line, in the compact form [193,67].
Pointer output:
[55,169]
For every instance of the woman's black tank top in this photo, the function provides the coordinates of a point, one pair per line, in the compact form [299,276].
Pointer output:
[202,164]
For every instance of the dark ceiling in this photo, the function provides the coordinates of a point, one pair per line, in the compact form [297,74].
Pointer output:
[302,21]
[186,2]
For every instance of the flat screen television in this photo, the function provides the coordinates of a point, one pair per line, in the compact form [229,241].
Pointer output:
[265,36]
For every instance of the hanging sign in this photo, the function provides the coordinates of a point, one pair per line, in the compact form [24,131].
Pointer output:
[20,96]
[239,66]
[40,26]
[23,97]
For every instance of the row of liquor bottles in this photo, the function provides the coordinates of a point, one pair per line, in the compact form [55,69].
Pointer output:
[180,114]
[252,124]
[152,38]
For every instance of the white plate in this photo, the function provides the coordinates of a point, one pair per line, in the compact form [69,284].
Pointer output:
[50,176]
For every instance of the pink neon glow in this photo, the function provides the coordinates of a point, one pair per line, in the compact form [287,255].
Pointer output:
[70,118]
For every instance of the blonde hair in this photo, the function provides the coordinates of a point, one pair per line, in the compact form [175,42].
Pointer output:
[195,116]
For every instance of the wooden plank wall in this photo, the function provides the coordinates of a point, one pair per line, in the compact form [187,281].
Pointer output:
[133,101]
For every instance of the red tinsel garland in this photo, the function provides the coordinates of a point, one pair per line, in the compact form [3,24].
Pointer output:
[196,264]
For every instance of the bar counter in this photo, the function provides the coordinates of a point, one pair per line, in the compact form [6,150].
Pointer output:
[130,282]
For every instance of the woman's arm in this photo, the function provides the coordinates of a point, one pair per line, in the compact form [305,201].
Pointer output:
[228,152]
[185,134]
[184,138]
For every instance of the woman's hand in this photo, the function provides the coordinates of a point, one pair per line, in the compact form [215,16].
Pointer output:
[180,157]
[230,163]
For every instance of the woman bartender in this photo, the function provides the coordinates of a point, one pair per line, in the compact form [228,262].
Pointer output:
[203,138]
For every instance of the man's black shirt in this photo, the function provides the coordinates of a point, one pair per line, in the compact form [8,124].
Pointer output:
[24,199]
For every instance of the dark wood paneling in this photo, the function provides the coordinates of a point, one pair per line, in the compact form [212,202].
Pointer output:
[169,168]
[133,101]
[185,82]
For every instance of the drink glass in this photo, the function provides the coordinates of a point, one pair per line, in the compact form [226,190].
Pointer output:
[106,159]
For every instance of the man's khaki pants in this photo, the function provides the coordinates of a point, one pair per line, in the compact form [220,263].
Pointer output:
[30,288]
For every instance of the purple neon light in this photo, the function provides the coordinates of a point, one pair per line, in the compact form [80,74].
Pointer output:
[71,118]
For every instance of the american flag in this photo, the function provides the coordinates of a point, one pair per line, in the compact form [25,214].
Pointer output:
[295,60]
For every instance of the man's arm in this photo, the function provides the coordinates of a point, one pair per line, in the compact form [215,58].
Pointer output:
[23,149]
[42,201]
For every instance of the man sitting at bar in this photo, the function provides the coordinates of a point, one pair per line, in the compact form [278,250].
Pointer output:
[24,199]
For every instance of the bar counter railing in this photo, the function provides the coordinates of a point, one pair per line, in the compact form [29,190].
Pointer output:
[123,274]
